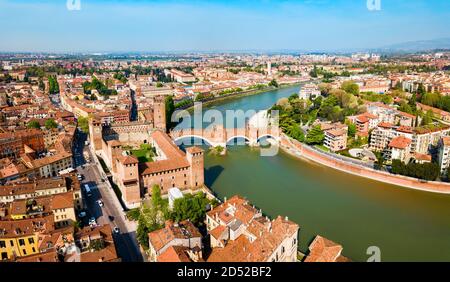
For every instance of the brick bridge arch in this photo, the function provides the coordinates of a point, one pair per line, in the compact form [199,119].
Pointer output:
[218,135]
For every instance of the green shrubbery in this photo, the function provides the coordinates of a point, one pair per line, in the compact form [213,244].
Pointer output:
[426,171]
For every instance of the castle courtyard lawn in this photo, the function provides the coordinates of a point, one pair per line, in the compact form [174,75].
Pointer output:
[144,154]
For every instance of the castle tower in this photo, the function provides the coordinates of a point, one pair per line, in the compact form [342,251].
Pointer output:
[159,113]
[95,133]
[128,180]
[195,158]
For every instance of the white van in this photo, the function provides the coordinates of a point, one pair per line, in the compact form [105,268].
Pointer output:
[87,190]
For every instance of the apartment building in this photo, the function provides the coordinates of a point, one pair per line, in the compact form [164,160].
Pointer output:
[444,154]
[26,190]
[19,238]
[309,92]
[399,149]
[336,139]
[49,166]
[364,122]
[336,135]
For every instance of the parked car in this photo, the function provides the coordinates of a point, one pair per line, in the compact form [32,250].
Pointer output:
[82,214]
[100,203]
[92,222]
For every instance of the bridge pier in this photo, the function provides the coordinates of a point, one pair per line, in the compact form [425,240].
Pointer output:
[253,143]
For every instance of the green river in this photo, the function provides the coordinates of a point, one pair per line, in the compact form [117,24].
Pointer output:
[406,225]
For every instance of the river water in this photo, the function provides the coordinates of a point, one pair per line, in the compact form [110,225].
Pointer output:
[355,212]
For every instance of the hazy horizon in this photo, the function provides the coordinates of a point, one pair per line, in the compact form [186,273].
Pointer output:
[150,26]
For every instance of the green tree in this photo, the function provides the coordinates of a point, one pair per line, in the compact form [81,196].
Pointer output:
[192,207]
[325,88]
[351,129]
[170,109]
[421,89]
[380,160]
[34,124]
[41,84]
[431,99]
[350,87]
[295,132]
[387,99]
[273,83]
[405,107]
[156,196]
[53,86]
[446,175]
[83,123]
[50,123]
[315,136]
[427,118]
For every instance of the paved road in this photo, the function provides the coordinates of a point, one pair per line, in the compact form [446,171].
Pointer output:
[111,213]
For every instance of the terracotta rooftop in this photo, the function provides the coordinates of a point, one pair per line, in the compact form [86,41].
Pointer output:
[107,254]
[174,254]
[446,140]
[183,230]
[324,250]
[176,158]
[385,125]
[128,160]
[337,132]
[400,142]
[422,157]
[405,129]
[25,227]
[49,256]
[267,234]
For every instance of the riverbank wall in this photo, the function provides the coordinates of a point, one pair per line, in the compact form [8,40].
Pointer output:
[299,150]
[245,93]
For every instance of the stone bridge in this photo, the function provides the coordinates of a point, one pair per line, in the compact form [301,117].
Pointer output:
[218,135]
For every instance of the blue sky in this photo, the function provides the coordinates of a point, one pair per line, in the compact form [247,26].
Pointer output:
[100,25]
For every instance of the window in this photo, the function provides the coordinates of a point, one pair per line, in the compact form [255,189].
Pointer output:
[11,242]
[21,242]
[24,252]
[4,255]
[31,240]
[282,250]
[2,244]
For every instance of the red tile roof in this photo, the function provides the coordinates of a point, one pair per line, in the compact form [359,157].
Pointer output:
[400,142]
[174,254]
[324,250]
[385,124]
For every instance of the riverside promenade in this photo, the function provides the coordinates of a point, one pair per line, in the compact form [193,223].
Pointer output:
[300,150]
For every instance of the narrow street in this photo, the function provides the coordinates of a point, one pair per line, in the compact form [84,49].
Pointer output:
[111,213]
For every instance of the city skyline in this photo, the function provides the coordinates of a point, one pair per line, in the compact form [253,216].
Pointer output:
[182,26]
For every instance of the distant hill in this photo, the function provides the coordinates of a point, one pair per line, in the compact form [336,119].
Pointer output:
[418,46]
